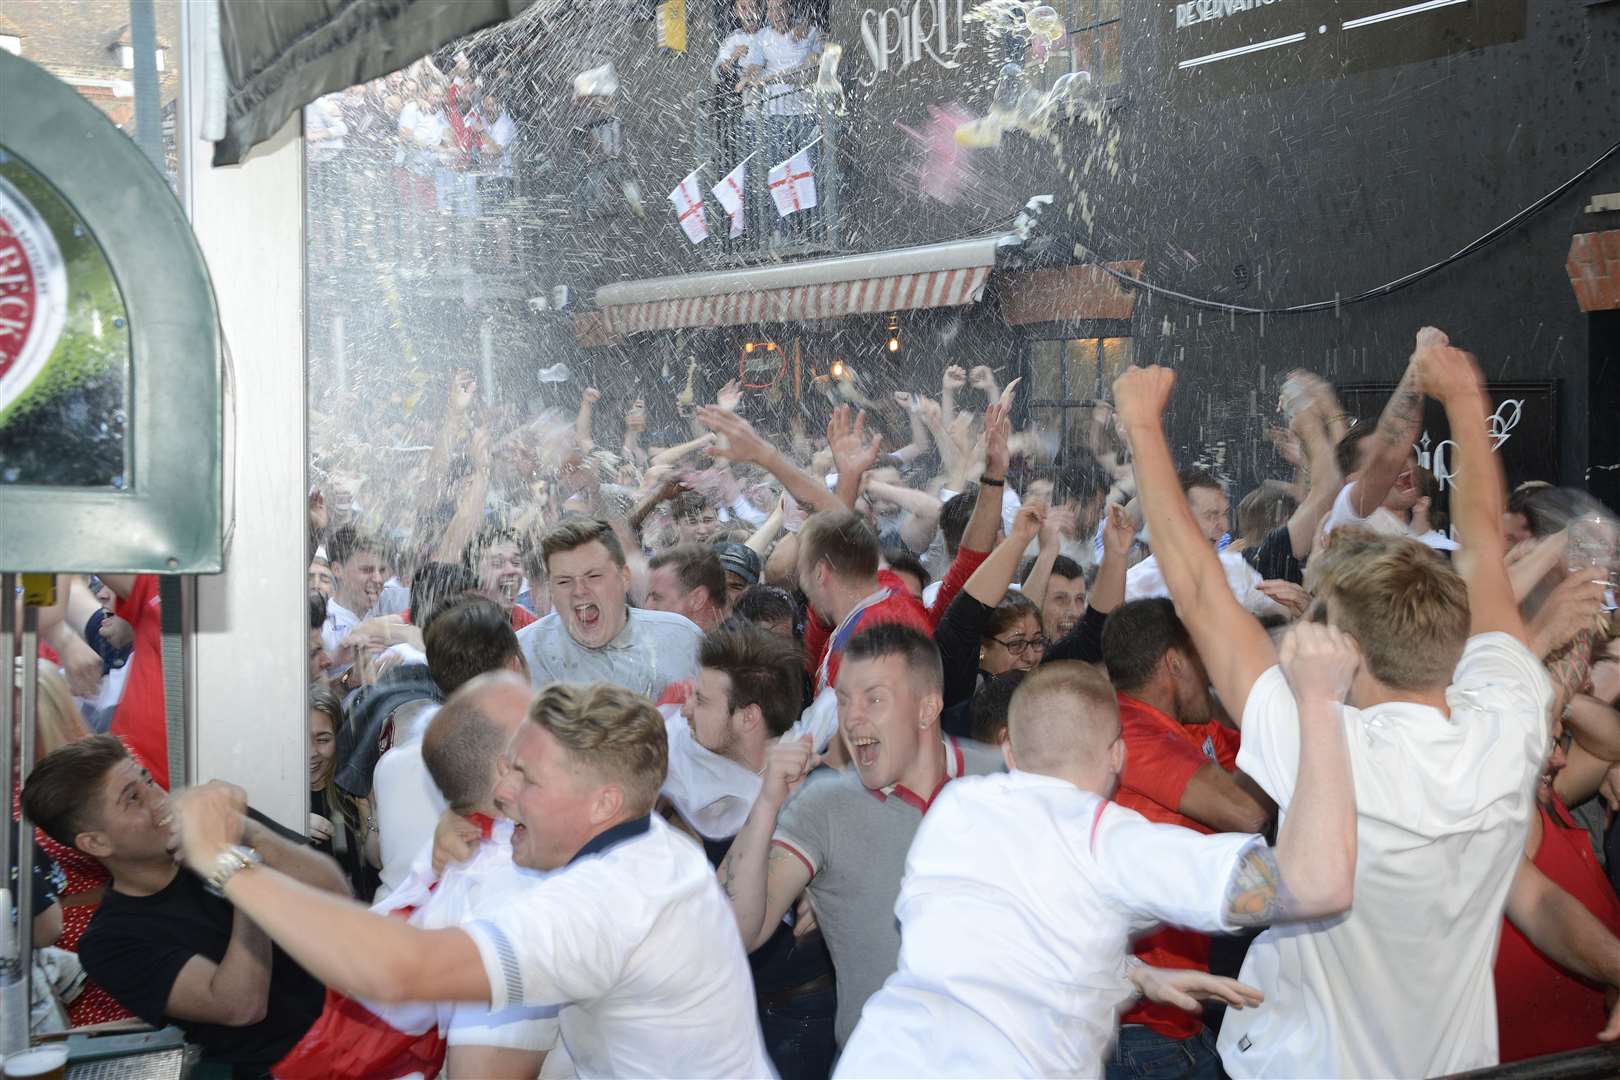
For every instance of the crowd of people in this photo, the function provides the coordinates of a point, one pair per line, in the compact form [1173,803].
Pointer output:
[732,750]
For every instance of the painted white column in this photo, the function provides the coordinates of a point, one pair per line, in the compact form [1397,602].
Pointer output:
[249,646]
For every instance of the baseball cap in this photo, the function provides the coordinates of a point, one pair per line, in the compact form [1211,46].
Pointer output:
[740,560]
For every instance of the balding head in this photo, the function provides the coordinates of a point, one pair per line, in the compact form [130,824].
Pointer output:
[467,739]
[1064,722]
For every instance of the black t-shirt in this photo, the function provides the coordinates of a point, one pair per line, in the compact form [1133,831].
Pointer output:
[135,947]
[1274,558]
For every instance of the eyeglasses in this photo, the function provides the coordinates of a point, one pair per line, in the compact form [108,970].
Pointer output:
[1018,647]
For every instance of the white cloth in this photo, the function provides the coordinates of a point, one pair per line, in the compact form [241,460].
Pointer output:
[655,649]
[784,52]
[1401,984]
[1145,580]
[1020,897]
[408,805]
[641,947]
[1010,502]
[713,793]
[339,621]
[793,184]
[482,884]
[687,198]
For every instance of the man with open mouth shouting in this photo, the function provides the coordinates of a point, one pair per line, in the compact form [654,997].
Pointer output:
[592,633]
[843,839]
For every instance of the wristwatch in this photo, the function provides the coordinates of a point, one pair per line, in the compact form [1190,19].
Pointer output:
[232,859]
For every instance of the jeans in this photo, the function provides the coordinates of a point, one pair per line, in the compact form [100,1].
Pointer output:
[799,1035]
[1144,1054]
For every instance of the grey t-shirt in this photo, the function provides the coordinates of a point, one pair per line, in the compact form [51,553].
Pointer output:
[854,841]
[654,649]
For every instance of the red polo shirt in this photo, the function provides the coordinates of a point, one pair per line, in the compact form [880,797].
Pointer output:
[1540,1007]
[139,719]
[1161,756]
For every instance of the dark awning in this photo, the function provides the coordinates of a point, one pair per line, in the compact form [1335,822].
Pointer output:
[280,55]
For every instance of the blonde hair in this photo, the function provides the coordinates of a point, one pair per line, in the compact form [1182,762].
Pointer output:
[616,733]
[1062,713]
[59,721]
[1405,607]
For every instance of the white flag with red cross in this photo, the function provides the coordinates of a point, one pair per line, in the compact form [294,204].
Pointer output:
[793,184]
[730,193]
[688,200]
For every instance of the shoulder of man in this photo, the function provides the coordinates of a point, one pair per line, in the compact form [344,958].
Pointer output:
[977,758]
[666,620]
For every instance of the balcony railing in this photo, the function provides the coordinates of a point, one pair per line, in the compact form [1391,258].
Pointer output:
[771,123]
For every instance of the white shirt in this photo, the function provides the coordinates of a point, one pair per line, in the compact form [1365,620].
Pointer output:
[1145,580]
[1401,985]
[1020,897]
[408,808]
[753,55]
[482,884]
[339,621]
[713,793]
[1382,520]
[783,53]
[655,649]
[640,946]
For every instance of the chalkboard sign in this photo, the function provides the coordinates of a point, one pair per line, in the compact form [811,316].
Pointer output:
[1523,427]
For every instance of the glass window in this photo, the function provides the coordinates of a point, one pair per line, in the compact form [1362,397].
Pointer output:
[1069,376]
[1094,40]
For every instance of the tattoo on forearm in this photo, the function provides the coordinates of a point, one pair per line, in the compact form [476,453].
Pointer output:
[1403,415]
[1256,895]
[1571,667]
[728,878]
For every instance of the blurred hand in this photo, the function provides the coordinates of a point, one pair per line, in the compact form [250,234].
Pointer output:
[318,517]
[203,821]
[804,918]
[955,378]
[852,452]
[1119,531]
[320,829]
[982,378]
[1142,393]
[1286,442]
[591,396]
[454,841]
[1059,523]
[1447,374]
[636,418]
[1028,523]
[793,515]
[82,665]
[1319,661]
[1185,988]
[1610,788]
[1573,606]
[929,410]
[1606,674]
[1009,391]
[1286,593]
[736,439]
[997,427]
[729,397]
[787,763]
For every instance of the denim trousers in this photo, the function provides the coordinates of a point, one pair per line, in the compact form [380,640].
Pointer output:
[1144,1054]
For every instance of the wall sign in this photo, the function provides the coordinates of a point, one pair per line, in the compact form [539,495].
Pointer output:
[899,36]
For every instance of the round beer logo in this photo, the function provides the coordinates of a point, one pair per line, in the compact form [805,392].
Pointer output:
[33,294]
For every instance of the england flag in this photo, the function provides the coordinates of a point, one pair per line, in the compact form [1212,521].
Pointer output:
[688,200]
[793,184]
[730,193]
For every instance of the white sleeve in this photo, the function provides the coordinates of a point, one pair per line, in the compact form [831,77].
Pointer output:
[1270,749]
[516,1027]
[1341,513]
[549,946]
[1143,581]
[1497,672]
[1165,872]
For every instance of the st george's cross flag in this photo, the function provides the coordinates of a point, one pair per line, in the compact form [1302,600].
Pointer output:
[730,193]
[793,184]
[688,200]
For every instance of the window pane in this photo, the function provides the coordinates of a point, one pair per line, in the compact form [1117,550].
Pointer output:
[1046,370]
[1119,353]
[1082,368]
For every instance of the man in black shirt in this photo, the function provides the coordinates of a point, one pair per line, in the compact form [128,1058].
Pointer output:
[164,946]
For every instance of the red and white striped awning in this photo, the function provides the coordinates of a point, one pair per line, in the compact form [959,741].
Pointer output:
[938,275]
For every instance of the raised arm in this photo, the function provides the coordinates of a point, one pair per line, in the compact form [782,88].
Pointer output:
[1107,592]
[1311,427]
[761,879]
[469,512]
[1058,521]
[988,584]
[985,521]
[853,453]
[1476,497]
[1397,428]
[1234,646]
[582,421]
[742,443]
[1311,872]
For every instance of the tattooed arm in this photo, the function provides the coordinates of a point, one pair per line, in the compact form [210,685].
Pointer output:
[1398,425]
[1310,874]
[761,879]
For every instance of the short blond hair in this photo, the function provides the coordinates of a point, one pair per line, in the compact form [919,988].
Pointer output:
[615,733]
[1405,607]
[1062,713]
[59,721]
